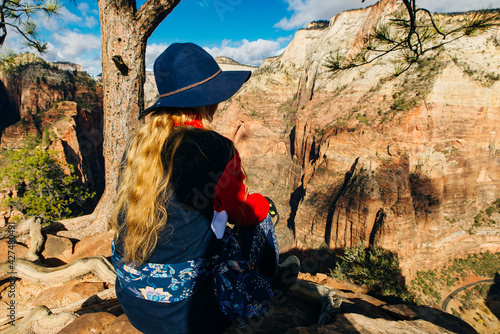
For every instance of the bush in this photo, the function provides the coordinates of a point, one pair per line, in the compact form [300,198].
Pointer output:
[375,268]
[42,187]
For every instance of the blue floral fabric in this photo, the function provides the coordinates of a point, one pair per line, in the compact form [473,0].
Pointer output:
[165,283]
[240,290]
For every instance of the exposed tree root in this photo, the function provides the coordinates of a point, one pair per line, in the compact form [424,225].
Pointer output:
[93,227]
[95,223]
[42,317]
[74,224]
[22,229]
[37,240]
[319,294]
[68,309]
[28,270]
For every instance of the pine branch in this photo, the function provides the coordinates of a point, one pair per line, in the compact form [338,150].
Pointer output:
[429,14]
[19,15]
[414,36]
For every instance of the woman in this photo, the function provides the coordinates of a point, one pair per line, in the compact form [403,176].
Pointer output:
[179,268]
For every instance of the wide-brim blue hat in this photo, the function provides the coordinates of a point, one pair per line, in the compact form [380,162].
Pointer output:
[187,76]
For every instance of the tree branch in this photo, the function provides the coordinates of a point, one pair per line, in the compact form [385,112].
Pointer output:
[2,24]
[397,46]
[410,6]
[417,37]
[432,21]
[152,13]
[30,41]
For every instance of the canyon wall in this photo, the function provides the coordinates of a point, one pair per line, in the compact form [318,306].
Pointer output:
[61,105]
[409,163]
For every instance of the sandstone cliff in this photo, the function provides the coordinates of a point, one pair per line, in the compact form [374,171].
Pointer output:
[408,163]
[360,158]
[61,104]
[365,158]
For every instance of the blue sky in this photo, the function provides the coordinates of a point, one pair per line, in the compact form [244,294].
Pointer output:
[245,30]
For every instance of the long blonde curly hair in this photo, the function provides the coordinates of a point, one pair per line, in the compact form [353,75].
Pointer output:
[143,190]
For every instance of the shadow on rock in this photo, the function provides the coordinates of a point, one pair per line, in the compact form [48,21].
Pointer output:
[493,298]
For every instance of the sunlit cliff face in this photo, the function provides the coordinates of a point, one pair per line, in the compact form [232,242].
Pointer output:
[366,158]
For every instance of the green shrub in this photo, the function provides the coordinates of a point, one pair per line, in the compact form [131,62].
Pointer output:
[483,218]
[375,268]
[363,119]
[42,187]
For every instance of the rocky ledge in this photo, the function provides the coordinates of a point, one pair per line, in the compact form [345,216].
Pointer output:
[67,286]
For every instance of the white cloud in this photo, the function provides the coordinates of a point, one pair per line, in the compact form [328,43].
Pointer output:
[66,18]
[89,16]
[152,52]
[72,43]
[90,21]
[89,59]
[93,65]
[63,18]
[83,7]
[306,11]
[81,49]
[247,52]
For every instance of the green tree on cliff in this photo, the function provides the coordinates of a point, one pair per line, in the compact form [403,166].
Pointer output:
[40,184]
[410,34]
[374,268]
[19,15]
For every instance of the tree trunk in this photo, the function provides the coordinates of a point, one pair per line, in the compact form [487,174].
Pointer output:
[123,94]
[124,34]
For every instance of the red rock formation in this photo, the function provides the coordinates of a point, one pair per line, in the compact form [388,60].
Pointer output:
[65,106]
[403,163]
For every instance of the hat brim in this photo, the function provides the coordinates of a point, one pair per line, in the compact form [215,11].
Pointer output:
[216,90]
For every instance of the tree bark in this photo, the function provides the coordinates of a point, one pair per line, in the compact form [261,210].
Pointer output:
[124,34]
[37,240]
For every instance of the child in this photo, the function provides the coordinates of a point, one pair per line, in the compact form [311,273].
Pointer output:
[180,269]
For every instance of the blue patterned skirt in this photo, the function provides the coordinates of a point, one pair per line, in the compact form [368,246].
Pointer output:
[239,287]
